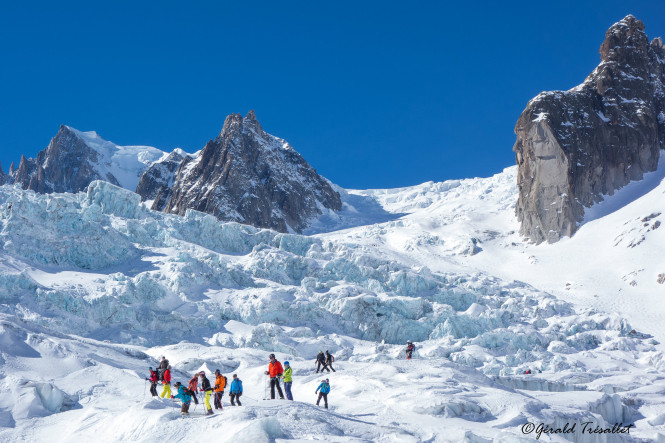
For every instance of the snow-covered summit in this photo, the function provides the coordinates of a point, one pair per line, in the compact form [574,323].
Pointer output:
[74,158]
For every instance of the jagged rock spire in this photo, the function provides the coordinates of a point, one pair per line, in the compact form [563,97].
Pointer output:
[573,147]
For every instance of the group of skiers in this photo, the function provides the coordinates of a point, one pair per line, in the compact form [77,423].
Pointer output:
[275,371]
[188,394]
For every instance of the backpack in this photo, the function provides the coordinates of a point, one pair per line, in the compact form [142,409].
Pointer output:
[226,381]
[189,392]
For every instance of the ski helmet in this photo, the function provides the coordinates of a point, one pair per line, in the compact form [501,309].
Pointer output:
[150,368]
[272,356]
[217,371]
[169,367]
[235,375]
[286,363]
[202,373]
[177,383]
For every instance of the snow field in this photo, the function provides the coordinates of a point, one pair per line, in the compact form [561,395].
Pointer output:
[439,263]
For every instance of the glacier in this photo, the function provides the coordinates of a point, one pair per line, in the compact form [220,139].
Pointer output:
[102,285]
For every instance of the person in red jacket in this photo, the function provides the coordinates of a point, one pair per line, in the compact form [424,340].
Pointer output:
[274,372]
[154,377]
[194,387]
[166,383]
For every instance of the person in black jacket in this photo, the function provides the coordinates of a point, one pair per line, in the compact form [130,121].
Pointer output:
[321,361]
[329,359]
[161,369]
[207,389]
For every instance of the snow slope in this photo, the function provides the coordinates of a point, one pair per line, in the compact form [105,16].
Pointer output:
[125,163]
[94,287]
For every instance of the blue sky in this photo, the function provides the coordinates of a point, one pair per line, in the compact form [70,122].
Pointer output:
[372,94]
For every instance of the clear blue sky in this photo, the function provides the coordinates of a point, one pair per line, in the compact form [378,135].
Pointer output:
[373,94]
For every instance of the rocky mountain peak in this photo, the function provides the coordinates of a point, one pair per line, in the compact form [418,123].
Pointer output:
[73,159]
[252,177]
[575,146]
[624,40]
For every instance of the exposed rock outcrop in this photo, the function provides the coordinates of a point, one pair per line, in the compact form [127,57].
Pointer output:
[3,177]
[155,183]
[573,147]
[73,159]
[249,176]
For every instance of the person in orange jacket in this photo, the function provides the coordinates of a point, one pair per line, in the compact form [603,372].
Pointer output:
[275,371]
[220,384]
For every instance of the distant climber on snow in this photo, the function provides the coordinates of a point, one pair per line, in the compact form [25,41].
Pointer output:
[321,361]
[410,347]
[166,383]
[154,378]
[163,365]
[275,371]
[184,397]
[236,390]
[324,387]
[329,360]
[220,384]
[207,389]
[194,387]
[288,380]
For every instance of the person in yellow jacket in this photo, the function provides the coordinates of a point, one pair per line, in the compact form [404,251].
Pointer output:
[287,378]
[220,384]
[205,387]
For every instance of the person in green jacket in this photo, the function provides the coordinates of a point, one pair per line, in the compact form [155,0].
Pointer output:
[287,378]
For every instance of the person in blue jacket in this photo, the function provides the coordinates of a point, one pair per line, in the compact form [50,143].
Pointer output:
[184,397]
[236,390]
[325,389]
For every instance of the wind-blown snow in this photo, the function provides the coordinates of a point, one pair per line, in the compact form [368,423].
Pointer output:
[97,286]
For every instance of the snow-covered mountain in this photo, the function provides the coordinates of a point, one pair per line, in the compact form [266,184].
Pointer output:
[73,159]
[97,286]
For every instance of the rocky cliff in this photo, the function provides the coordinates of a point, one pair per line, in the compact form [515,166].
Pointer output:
[73,159]
[3,177]
[155,183]
[249,176]
[573,147]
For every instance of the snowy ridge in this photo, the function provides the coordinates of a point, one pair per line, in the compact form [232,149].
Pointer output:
[125,163]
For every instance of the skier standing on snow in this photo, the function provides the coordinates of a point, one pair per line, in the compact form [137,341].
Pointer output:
[321,361]
[236,390]
[275,371]
[220,384]
[287,378]
[154,378]
[207,389]
[184,397]
[167,383]
[410,347]
[163,366]
[194,387]
[329,360]
[325,389]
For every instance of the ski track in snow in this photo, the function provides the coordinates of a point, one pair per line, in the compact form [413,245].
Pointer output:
[94,288]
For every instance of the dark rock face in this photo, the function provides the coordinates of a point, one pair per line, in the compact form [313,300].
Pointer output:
[251,177]
[3,177]
[573,147]
[66,165]
[155,183]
